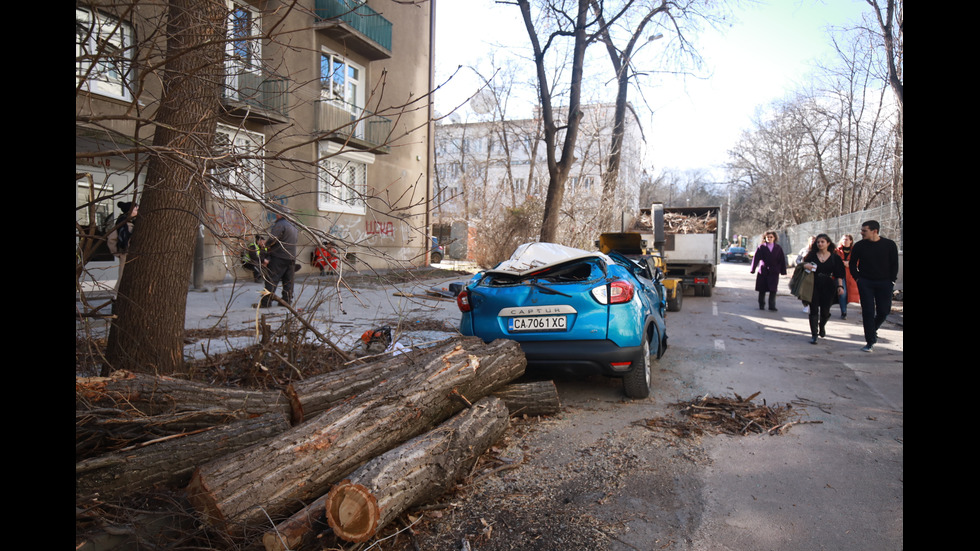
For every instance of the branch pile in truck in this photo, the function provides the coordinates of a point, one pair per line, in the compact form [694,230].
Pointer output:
[675,222]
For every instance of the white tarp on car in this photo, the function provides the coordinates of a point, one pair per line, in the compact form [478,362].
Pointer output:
[531,256]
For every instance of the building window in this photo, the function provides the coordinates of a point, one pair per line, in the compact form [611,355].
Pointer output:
[103,54]
[239,165]
[243,50]
[100,195]
[340,80]
[342,179]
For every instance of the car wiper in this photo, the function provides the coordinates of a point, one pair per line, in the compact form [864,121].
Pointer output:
[547,289]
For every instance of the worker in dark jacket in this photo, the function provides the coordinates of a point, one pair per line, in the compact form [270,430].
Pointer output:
[771,261]
[874,263]
[282,258]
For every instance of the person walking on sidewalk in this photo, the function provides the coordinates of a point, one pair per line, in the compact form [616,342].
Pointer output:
[281,259]
[828,283]
[771,262]
[874,264]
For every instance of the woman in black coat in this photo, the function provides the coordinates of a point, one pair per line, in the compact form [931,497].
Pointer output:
[770,259]
[828,283]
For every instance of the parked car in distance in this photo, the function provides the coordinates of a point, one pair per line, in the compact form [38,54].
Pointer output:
[436,253]
[735,254]
[575,310]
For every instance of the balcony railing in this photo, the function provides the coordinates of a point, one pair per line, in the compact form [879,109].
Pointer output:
[258,91]
[356,15]
[345,123]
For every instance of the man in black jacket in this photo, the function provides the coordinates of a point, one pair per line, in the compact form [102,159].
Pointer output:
[282,257]
[874,264]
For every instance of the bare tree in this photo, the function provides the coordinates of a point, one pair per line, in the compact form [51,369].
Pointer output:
[571,20]
[185,73]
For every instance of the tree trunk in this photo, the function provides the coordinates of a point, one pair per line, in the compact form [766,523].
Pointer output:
[275,477]
[315,395]
[171,461]
[531,399]
[147,334]
[129,408]
[417,471]
[144,394]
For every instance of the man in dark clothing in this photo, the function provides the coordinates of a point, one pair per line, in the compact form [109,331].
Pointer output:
[281,259]
[874,264]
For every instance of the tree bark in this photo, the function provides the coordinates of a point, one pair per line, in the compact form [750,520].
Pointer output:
[171,461]
[128,408]
[147,333]
[145,394]
[315,395]
[531,399]
[413,473]
[275,477]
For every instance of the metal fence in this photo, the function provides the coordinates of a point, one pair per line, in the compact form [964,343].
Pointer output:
[890,216]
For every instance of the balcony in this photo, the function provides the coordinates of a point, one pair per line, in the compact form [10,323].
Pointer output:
[255,95]
[348,125]
[359,27]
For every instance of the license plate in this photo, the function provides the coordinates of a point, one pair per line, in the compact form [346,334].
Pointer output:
[537,323]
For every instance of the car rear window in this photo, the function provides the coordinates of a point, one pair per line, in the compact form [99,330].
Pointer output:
[572,272]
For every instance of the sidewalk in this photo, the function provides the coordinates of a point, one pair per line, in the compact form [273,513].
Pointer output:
[342,311]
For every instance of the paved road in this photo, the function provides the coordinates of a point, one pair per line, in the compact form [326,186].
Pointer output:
[834,485]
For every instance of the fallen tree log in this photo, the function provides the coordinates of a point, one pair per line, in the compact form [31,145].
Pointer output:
[106,430]
[170,461]
[381,490]
[128,408]
[313,396]
[274,478]
[531,399]
[153,395]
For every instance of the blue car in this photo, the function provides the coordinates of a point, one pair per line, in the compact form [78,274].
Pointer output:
[589,312]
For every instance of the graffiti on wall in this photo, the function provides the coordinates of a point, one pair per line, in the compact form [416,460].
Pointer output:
[376,227]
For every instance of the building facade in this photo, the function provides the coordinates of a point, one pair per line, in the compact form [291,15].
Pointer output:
[482,167]
[324,110]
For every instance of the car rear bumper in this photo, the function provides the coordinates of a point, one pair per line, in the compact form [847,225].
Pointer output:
[581,357]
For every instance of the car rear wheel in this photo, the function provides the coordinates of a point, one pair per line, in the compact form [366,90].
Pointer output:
[436,258]
[637,382]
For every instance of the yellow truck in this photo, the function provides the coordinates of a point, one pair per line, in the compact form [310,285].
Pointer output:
[632,245]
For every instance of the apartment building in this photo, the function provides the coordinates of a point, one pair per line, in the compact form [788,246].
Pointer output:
[484,166]
[324,109]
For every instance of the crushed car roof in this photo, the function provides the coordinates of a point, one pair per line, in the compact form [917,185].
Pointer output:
[534,256]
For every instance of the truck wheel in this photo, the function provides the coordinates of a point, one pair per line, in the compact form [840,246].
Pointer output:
[706,290]
[674,303]
[636,383]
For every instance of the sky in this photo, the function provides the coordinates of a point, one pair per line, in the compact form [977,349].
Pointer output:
[769,50]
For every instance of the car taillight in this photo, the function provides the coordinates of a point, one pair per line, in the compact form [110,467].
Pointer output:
[463,301]
[619,291]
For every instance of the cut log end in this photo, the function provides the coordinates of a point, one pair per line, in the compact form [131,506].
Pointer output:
[352,511]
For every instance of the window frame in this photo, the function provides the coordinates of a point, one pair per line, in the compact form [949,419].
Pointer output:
[353,102]
[121,36]
[342,197]
[252,145]
[235,64]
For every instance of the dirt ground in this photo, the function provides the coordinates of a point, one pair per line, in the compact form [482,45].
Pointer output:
[592,477]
